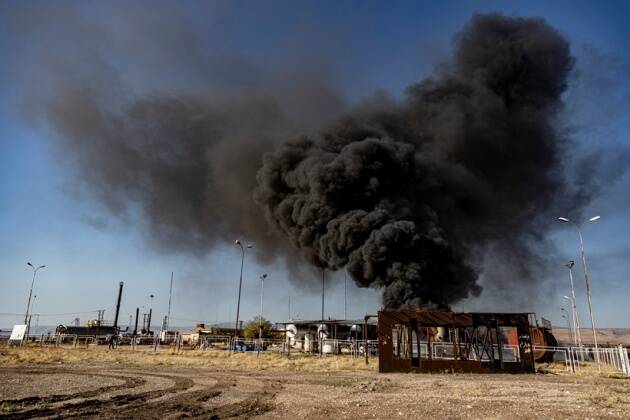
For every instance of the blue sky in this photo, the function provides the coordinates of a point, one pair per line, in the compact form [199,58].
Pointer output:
[366,46]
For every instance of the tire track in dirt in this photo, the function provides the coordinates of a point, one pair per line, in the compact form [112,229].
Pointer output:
[229,396]
[208,402]
[128,383]
[49,407]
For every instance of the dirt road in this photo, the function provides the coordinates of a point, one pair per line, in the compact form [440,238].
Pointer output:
[136,390]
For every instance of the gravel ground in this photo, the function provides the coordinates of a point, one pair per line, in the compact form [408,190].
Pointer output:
[25,383]
[453,396]
[134,390]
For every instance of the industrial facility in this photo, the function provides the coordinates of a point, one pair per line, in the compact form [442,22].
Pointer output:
[413,340]
[331,336]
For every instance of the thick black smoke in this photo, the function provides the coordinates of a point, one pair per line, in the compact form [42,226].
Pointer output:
[404,197]
[408,197]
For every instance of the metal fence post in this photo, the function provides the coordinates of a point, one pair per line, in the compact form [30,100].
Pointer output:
[570,354]
[625,363]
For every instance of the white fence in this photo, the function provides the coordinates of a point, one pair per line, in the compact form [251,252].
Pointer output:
[578,358]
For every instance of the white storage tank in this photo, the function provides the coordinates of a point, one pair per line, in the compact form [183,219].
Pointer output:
[308,342]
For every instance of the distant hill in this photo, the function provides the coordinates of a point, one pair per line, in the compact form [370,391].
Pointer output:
[609,336]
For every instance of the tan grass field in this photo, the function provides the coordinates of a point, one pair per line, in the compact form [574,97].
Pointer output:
[207,358]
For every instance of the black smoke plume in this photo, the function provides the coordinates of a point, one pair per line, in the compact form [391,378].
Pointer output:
[404,196]
[407,196]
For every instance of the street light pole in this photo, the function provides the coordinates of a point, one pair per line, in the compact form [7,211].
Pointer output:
[260,318]
[240,285]
[30,318]
[30,294]
[588,288]
[576,316]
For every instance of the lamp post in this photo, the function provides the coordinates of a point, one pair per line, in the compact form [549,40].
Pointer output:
[240,284]
[576,316]
[588,288]
[260,318]
[31,317]
[30,294]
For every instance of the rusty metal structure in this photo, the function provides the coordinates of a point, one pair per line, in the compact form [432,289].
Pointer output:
[441,341]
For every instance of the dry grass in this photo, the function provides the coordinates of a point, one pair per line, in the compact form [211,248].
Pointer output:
[215,359]
[7,407]
[586,369]
[607,396]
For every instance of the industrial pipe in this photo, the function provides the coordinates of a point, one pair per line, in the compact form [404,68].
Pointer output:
[135,329]
[149,320]
[120,289]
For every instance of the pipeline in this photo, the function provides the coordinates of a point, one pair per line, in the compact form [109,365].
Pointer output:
[120,289]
